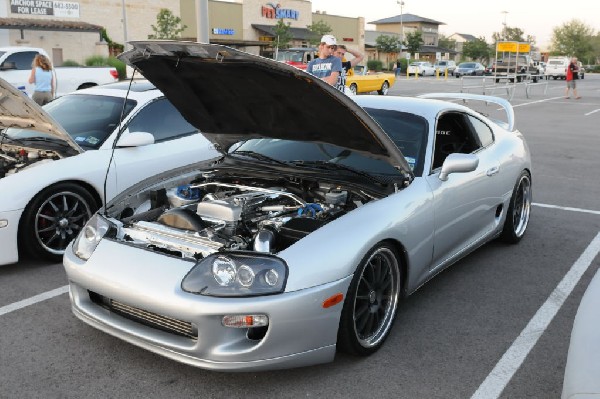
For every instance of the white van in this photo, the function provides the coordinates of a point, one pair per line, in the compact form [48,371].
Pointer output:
[556,67]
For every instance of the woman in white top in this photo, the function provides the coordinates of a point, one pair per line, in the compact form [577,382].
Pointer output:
[43,77]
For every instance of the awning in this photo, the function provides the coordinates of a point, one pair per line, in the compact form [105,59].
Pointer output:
[297,33]
[48,25]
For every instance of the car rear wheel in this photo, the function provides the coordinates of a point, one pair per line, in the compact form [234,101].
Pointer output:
[519,210]
[371,303]
[53,218]
[354,88]
[385,87]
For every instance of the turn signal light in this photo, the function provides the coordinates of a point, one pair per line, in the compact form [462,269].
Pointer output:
[245,321]
[333,300]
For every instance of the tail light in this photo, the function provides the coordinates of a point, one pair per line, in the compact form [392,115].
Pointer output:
[114,73]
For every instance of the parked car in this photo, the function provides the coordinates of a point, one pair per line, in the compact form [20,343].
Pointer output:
[297,56]
[489,69]
[442,65]
[469,69]
[15,67]
[583,364]
[556,67]
[421,68]
[361,81]
[52,176]
[322,212]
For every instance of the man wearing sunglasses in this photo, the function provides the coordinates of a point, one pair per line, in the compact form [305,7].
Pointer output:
[327,66]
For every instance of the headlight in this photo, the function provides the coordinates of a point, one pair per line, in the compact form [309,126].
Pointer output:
[236,274]
[89,237]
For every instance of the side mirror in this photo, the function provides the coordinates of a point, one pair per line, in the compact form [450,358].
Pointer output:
[458,163]
[135,139]
[8,65]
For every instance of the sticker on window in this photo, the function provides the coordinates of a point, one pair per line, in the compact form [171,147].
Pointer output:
[411,162]
[92,140]
[79,138]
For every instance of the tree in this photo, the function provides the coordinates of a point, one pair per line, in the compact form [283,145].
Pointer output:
[509,34]
[282,34]
[168,26]
[387,44]
[414,41]
[477,49]
[446,43]
[317,30]
[573,38]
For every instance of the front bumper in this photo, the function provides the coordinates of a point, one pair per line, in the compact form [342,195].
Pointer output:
[9,228]
[151,283]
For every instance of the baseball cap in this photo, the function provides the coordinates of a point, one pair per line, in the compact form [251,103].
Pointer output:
[329,40]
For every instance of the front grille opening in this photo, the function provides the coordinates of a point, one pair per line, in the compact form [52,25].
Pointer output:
[150,319]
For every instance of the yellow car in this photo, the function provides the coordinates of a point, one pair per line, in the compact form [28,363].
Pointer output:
[363,81]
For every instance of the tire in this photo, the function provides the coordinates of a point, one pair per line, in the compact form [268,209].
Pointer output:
[371,302]
[385,87]
[53,218]
[354,88]
[519,210]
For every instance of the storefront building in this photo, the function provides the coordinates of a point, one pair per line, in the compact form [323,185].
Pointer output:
[71,30]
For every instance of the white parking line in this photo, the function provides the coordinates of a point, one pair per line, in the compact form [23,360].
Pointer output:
[33,300]
[566,208]
[512,359]
[592,112]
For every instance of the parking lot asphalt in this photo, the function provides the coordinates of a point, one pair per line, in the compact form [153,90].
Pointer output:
[496,324]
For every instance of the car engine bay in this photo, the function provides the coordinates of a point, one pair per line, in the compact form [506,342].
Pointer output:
[195,220]
[15,158]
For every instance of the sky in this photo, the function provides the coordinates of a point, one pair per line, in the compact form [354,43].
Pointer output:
[476,17]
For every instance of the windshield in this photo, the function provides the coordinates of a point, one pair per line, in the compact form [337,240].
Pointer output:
[467,65]
[295,56]
[88,119]
[408,132]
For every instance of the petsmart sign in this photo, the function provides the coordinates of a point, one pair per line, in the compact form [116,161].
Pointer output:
[63,9]
[274,11]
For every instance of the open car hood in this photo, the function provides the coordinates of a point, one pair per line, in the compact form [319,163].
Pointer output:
[19,111]
[230,96]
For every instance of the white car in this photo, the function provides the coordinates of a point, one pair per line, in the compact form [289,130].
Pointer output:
[421,68]
[52,182]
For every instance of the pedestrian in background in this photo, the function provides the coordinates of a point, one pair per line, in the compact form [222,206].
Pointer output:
[341,51]
[572,76]
[398,68]
[42,76]
[327,67]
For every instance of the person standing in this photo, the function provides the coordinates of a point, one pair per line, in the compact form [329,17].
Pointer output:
[327,67]
[43,78]
[572,76]
[341,51]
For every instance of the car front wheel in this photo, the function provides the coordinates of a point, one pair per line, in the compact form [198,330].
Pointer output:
[519,210]
[371,303]
[53,218]
[385,87]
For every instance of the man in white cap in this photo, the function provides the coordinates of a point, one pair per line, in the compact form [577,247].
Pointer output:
[327,67]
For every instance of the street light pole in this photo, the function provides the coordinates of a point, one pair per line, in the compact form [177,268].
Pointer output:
[401,26]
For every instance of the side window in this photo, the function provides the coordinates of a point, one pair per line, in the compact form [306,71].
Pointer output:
[483,133]
[453,134]
[162,120]
[22,60]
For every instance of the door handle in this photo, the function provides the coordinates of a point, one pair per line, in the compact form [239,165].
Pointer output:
[493,170]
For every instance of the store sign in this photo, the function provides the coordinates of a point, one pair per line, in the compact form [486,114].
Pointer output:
[273,11]
[65,9]
[223,31]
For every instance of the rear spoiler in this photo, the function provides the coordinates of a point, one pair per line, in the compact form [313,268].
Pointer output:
[508,108]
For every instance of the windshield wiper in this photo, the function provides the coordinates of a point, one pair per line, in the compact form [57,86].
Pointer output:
[338,166]
[258,155]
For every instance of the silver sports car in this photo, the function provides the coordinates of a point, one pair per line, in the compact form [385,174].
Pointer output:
[322,213]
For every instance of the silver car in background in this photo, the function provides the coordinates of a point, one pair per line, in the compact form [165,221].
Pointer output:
[321,214]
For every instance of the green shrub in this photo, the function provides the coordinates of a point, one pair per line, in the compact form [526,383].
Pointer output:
[374,65]
[96,60]
[120,65]
[70,63]
[595,69]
